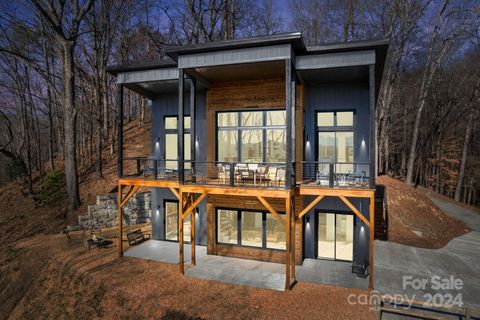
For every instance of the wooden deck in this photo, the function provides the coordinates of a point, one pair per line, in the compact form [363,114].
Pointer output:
[190,196]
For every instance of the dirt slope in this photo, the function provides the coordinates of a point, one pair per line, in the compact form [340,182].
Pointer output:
[52,277]
[415,220]
[20,214]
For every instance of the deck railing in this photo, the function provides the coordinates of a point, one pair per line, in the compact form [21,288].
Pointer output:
[236,174]
[350,175]
[251,174]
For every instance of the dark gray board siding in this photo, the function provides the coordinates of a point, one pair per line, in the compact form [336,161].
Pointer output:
[338,97]
[167,105]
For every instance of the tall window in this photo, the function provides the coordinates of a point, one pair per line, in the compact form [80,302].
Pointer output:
[171,142]
[250,228]
[171,222]
[335,139]
[335,236]
[251,136]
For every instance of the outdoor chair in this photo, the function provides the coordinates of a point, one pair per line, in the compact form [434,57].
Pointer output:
[137,237]
[262,174]
[222,173]
[322,176]
[280,176]
[360,268]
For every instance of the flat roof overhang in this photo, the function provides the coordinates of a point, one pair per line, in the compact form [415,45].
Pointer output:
[254,58]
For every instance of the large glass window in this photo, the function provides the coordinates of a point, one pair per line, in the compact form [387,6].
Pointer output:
[252,146]
[335,139]
[335,236]
[250,228]
[251,136]
[227,226]
[171,223]
[171,142]
[276,238]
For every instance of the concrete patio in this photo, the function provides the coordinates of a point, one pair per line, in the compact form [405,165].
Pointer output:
[248,272]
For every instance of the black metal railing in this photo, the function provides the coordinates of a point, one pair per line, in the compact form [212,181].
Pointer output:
[252,174]
[334,175]
[236,174]
[149,167]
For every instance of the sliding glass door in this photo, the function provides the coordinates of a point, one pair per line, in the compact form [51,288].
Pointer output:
[335,236]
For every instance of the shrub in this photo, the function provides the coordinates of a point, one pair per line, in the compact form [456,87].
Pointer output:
[52,189]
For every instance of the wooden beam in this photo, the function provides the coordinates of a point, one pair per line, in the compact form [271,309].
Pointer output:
[270,208]
[130,193]
[355,210]
[192,241]
[310,206]
[287,244]
[371,215]
[353,193]
[175,192]
[180,233]
[193,205]
[237,191]
[149,182]
[292,243]
[120,225]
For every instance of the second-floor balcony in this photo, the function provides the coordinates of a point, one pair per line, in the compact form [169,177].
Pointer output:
[251,174]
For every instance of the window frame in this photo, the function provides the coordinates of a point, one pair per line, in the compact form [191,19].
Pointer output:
[165,201]
[239,228]
[239,129]
[335,213]
[334,129]
[173,131]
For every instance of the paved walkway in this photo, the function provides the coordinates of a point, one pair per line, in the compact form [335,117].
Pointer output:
[460,259]
[248,272]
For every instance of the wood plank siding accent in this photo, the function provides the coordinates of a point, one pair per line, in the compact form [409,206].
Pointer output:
[250,95]
[250,203]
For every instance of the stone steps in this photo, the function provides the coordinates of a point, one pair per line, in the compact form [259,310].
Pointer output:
[104,212]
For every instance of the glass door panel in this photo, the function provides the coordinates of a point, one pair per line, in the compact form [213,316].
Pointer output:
[326,235]
[344,237]
[171,221]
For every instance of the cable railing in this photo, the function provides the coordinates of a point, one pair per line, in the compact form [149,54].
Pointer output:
[349,175]
[236,174]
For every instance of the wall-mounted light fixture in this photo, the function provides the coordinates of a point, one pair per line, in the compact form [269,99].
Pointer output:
[308,219]
[158,210]
[308,140]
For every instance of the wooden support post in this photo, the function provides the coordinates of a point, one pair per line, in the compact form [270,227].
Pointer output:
[288,240]
[180,233]
[292,235]
[192,241]
[120,226]
[371,215]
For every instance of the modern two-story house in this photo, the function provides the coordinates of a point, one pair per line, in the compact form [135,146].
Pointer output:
[261,148]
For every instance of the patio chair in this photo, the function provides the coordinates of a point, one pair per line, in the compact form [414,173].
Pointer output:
[222,173]
[262,174]
[280,176]
[360,268]
[322,176]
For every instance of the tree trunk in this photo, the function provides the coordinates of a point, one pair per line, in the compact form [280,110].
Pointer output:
[70,124]
[461,173]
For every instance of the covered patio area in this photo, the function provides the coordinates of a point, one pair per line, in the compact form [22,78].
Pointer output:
[247,272]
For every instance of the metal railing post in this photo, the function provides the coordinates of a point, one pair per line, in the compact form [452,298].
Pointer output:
[232,175]
[155,169]
[331,175]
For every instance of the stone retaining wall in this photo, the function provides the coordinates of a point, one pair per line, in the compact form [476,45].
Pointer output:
[105,212]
